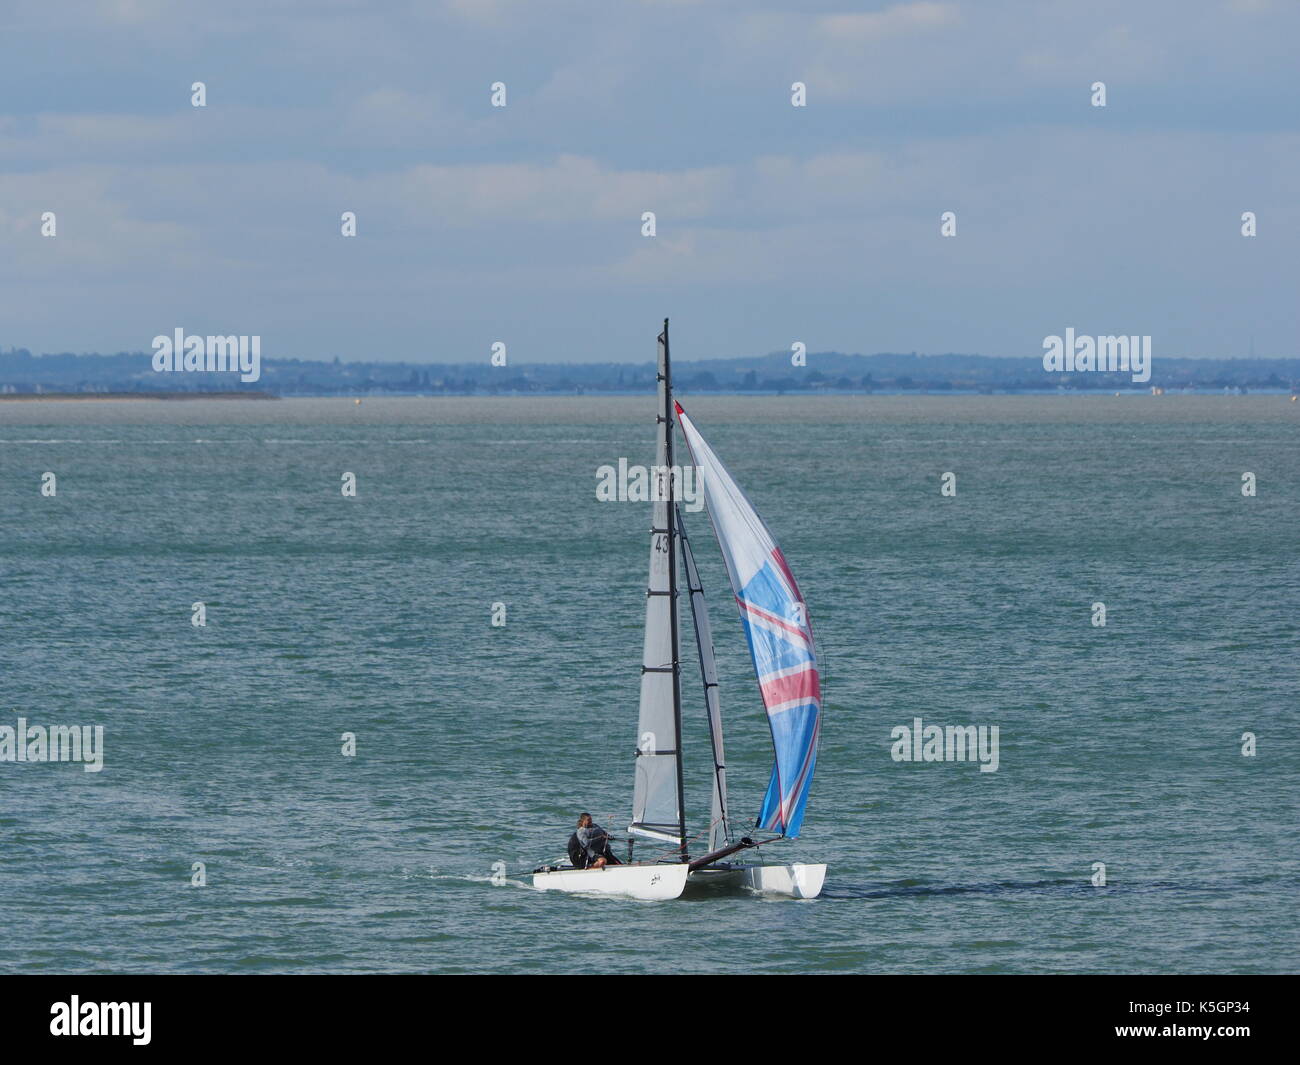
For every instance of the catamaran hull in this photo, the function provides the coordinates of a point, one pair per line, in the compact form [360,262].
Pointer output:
[654,883]
[796,880]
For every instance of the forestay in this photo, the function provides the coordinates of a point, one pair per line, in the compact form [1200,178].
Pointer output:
[719,830]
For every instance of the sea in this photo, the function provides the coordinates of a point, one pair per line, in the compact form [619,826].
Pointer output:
[348,767]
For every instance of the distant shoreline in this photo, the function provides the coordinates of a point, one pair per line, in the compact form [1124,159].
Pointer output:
[829,373]
[83,397]
[89,397]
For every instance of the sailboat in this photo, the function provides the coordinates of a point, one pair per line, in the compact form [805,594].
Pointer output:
[781,645]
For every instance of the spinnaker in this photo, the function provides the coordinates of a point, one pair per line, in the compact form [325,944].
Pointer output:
[780,635]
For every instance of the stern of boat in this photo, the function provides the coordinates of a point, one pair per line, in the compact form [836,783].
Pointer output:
[652,883]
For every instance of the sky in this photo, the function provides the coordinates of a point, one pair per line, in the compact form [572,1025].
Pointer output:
[775,224]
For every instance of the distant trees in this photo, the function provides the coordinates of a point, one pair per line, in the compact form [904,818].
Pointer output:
[22,372]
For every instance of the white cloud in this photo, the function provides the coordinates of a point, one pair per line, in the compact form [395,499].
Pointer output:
[675,107]
[859,26]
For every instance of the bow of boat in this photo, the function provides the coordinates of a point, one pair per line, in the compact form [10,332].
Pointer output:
[797,880]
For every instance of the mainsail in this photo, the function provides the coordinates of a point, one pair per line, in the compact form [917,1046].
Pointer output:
[719,830]
[779,634]
[657,795]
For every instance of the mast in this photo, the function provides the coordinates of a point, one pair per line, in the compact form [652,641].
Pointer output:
[666,417]
[658,794]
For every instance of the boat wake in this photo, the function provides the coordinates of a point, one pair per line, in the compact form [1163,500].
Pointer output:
[1060,886]
[919,888]
[511,880]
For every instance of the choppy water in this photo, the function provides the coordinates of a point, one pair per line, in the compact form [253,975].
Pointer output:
[477,744]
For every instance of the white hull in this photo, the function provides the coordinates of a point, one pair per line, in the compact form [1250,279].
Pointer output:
[796,880]
[650,882]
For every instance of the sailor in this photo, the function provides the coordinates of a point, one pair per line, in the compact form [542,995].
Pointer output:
[589,846]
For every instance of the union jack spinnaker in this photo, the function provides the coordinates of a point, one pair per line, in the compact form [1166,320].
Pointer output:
[778,630]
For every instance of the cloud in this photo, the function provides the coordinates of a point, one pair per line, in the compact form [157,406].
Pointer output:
[768,215]
[859,27]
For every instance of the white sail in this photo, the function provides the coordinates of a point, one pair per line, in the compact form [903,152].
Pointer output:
[656,798]
[719,830]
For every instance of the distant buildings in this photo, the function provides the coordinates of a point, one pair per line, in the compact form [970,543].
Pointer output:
[825,372]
